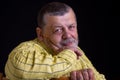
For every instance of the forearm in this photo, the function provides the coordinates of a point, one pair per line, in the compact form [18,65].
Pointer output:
[22,67]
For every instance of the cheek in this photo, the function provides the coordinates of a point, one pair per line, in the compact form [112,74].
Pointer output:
[56,39]
[75,35]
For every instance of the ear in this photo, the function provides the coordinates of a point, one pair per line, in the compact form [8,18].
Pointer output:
[39,33]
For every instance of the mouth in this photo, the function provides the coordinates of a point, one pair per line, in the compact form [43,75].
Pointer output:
[68,44]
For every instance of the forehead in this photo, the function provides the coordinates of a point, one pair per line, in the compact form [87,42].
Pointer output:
[67,18]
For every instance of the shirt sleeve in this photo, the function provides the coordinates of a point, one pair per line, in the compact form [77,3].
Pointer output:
[31,62]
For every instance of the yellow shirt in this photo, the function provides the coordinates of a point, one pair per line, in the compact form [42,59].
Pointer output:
[31,60]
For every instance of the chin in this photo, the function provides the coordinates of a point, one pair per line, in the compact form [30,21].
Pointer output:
[74,45]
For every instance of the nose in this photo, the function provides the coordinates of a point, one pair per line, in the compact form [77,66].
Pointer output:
[66,34]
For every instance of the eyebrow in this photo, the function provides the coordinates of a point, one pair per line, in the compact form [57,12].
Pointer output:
[56,26]
[59,25]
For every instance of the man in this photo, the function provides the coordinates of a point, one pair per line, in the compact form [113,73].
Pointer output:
[54,54]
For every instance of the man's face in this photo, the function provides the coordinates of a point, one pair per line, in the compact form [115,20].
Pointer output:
[60,31]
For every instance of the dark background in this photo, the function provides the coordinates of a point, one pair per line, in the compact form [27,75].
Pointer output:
[18,23]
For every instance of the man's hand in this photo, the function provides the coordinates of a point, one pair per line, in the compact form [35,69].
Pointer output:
[85,74]
[2,77]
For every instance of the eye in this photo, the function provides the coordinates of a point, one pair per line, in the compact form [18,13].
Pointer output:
[58,30]
[71,27]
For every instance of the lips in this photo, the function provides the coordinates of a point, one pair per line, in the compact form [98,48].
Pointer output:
[68,44]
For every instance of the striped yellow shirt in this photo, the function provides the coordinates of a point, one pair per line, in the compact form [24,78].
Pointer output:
[31,60]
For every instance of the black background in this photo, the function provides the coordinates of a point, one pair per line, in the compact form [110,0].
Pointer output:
[18,23]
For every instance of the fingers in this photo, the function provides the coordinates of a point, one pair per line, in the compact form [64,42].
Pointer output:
[88,74]
[79,75]
[73,75]
[78,53]
[85,74]
[91,74]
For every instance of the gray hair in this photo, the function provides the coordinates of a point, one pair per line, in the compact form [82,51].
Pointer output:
[53,9]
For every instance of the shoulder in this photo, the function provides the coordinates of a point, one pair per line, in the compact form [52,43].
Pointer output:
[31,44]
[26,51]
[27,47]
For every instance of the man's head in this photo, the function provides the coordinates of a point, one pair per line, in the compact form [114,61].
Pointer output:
[57,26]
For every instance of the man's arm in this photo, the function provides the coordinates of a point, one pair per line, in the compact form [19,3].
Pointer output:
[25,61]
